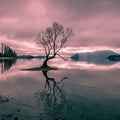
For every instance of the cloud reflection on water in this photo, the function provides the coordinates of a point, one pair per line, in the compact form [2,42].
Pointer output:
[81,65]
[86,88]
[57,62]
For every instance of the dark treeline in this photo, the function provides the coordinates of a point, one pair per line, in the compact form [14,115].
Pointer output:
[6,51]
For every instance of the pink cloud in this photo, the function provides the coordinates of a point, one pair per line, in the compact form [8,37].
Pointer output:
[94,23]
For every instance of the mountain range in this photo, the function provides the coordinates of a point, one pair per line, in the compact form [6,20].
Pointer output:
[95,57]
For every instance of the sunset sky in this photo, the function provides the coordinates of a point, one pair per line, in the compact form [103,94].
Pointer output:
[95,23]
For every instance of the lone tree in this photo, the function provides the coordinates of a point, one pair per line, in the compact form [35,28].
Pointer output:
[53,40]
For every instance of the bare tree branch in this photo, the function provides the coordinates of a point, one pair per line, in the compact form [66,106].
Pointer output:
[53,39]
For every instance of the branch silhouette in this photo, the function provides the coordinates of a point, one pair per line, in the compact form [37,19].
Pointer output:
[53,39]
[54,98]
[52,88]
[53,95]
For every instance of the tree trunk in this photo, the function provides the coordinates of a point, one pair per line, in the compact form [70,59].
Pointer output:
[45,63]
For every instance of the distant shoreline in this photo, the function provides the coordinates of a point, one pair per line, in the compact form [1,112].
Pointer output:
[6,58]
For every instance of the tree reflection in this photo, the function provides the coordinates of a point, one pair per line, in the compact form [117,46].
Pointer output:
[53,96]
[52,89]
[6,64]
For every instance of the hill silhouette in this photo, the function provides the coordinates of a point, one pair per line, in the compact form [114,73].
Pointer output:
[96,57]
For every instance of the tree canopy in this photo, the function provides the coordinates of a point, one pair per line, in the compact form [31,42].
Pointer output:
[53,39]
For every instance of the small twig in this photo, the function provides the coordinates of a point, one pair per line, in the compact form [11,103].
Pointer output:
[62,57]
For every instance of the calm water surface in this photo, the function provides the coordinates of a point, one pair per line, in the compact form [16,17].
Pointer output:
[76,91]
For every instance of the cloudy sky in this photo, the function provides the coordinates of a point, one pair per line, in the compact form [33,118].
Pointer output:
[95,22]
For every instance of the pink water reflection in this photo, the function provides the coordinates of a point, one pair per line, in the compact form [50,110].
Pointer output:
[81,65]
[57,62]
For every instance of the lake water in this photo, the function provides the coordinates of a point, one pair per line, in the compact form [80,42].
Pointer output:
[76,91]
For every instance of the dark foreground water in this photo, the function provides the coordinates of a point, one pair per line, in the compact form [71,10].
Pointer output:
[77,91]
